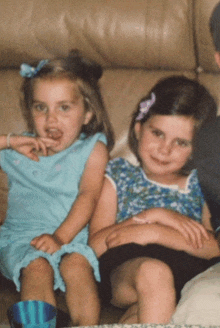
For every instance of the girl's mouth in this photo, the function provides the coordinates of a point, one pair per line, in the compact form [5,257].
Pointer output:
[54,134]
[156,160]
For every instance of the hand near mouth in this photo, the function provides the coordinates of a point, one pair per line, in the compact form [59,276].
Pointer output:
[54,134]
[31,147]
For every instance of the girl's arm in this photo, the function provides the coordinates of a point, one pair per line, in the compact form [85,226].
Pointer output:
[163,235]
[3,142]
[193,231]
[84,205]
[103,227]
[167,233]
[206,218]
[28,146]
[166,236]
[103,221]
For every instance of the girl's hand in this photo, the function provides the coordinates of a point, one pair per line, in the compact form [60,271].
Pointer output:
[46,243]
[193,232]
[29,146]
[130,234]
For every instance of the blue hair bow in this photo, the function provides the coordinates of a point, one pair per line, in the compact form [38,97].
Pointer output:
[29,71]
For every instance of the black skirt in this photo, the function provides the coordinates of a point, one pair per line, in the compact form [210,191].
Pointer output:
[183,265]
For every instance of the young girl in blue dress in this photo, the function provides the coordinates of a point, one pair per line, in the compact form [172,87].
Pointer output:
[151,226]
[55,174]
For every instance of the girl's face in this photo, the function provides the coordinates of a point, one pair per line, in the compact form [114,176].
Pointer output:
[58,111]
[164,144]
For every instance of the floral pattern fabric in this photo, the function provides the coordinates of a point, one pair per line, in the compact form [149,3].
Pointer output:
[136,192]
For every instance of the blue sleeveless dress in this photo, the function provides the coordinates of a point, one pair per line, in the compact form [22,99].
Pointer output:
[40,197]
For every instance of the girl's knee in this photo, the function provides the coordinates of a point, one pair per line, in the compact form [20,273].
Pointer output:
[39,265]
[37,271]
[74,265]
[153,273]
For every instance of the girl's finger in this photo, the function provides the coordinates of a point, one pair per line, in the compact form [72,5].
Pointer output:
[186,232]
[186,235]
[195,231]
[203,230]
[39,243]
[42,146]
[43,248]
[34,240]
[189,234]
[197,234]
[33,156]
[49,142]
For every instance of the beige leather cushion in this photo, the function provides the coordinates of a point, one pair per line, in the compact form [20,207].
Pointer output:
[126,33]
[10,114]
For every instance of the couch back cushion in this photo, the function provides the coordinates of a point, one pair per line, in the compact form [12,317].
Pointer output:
[150,34]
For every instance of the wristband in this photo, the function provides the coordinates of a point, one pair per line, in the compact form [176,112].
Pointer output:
[8,139]
[140,221]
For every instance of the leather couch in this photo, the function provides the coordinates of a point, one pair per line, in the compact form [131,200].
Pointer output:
[136,41]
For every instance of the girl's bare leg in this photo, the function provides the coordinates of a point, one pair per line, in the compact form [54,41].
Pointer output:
[37,282]
[81,290]
[130,316]
[146,287]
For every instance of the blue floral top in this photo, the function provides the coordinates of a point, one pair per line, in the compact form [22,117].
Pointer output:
[137,193]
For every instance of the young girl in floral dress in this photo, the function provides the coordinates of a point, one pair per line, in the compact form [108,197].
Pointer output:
[151,228]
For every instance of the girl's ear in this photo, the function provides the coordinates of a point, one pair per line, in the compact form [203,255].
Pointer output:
[88,117]
[137,129]
[217,58]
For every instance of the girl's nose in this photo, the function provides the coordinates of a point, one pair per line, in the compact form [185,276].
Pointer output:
[51,116]
[165,147]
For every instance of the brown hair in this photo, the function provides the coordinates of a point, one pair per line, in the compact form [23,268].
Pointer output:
[176,95]
[86,74]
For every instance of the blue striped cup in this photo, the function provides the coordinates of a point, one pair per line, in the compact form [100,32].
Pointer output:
[32,314]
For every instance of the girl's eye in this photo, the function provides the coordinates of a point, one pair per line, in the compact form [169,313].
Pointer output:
[64,108]
[157,133]
[39,108]
[183,143]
